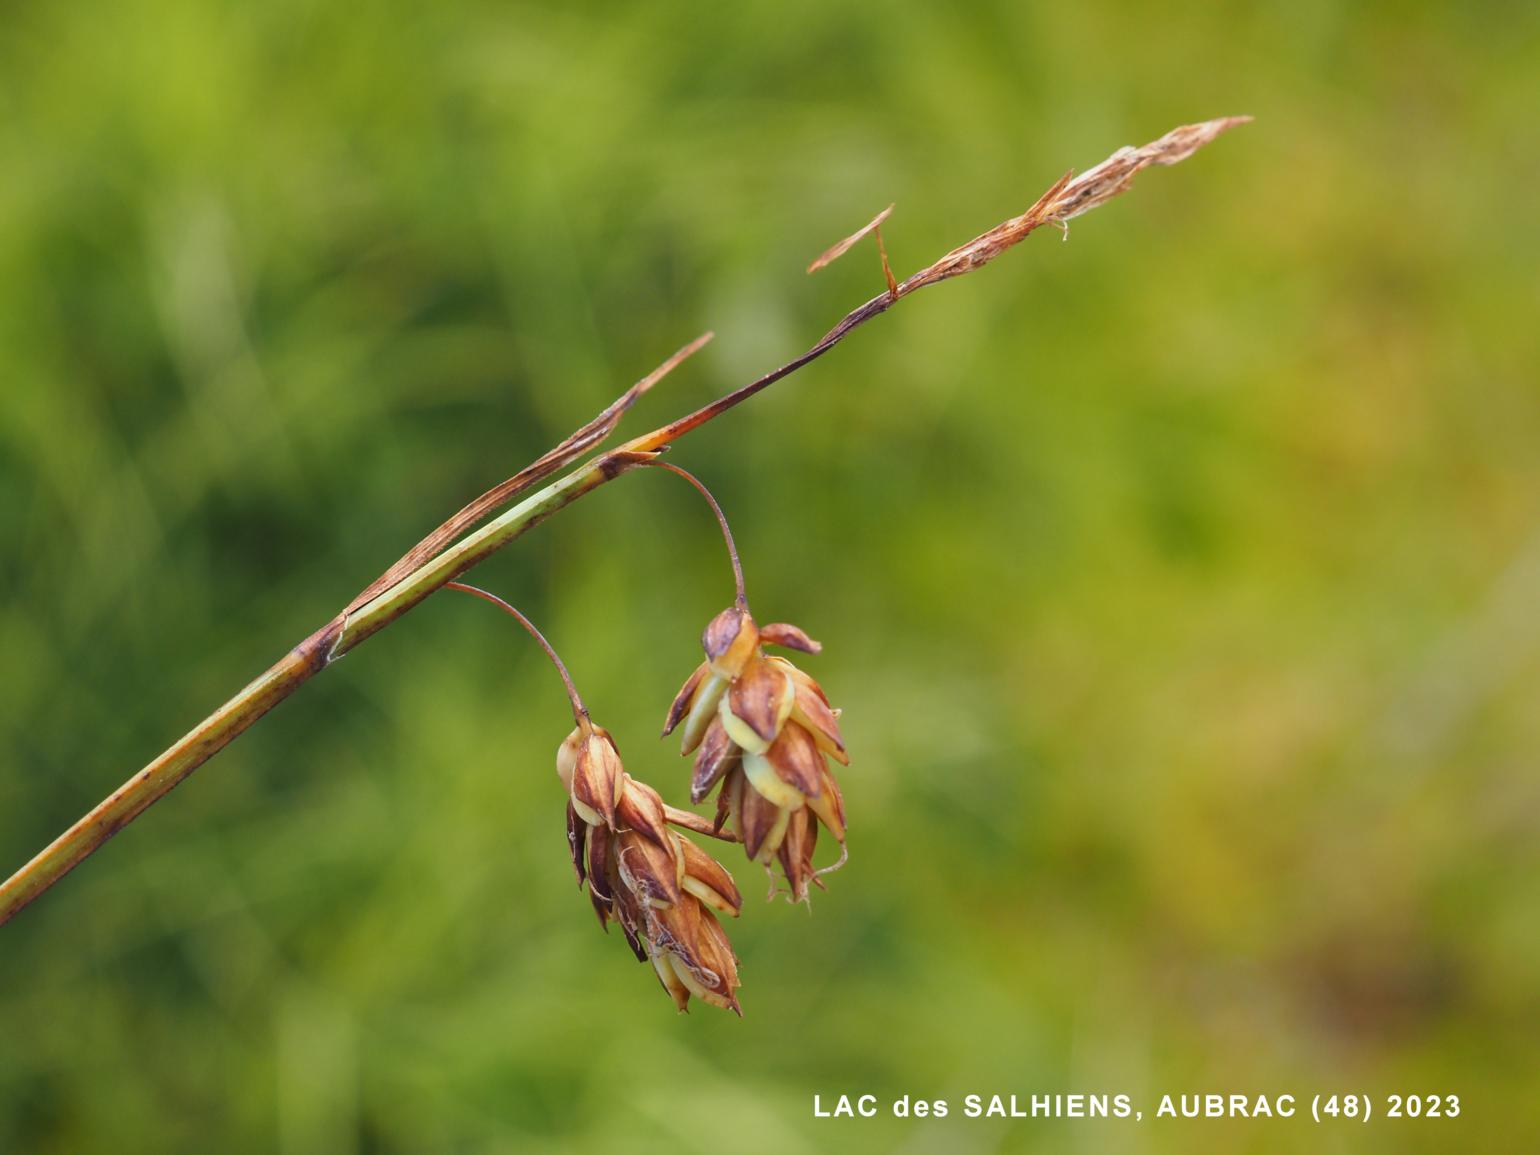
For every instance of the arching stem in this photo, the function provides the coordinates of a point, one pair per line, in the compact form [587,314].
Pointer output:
[445,554]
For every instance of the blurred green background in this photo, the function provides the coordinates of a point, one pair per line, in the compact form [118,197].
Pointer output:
[1181,583]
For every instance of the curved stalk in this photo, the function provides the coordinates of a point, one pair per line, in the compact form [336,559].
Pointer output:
[579,711]
[727,532]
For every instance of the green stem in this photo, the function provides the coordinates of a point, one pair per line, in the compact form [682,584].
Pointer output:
[156,780]
[288,674]
[373,616]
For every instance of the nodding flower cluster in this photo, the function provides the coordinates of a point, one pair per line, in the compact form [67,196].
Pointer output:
[762,730]
[659,886]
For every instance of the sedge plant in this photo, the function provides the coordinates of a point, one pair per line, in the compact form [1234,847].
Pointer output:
[763,733]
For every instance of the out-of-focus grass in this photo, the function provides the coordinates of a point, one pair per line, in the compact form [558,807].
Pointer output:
[1180,583]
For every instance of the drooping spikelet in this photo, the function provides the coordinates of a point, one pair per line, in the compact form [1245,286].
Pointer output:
[764,730]
[659,886]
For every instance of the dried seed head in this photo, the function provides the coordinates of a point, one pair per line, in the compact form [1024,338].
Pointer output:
[764,729]
[660,887]
[638,871]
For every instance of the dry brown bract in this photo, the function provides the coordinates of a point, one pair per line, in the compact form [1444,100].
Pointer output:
[835,251]
[1072,195]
